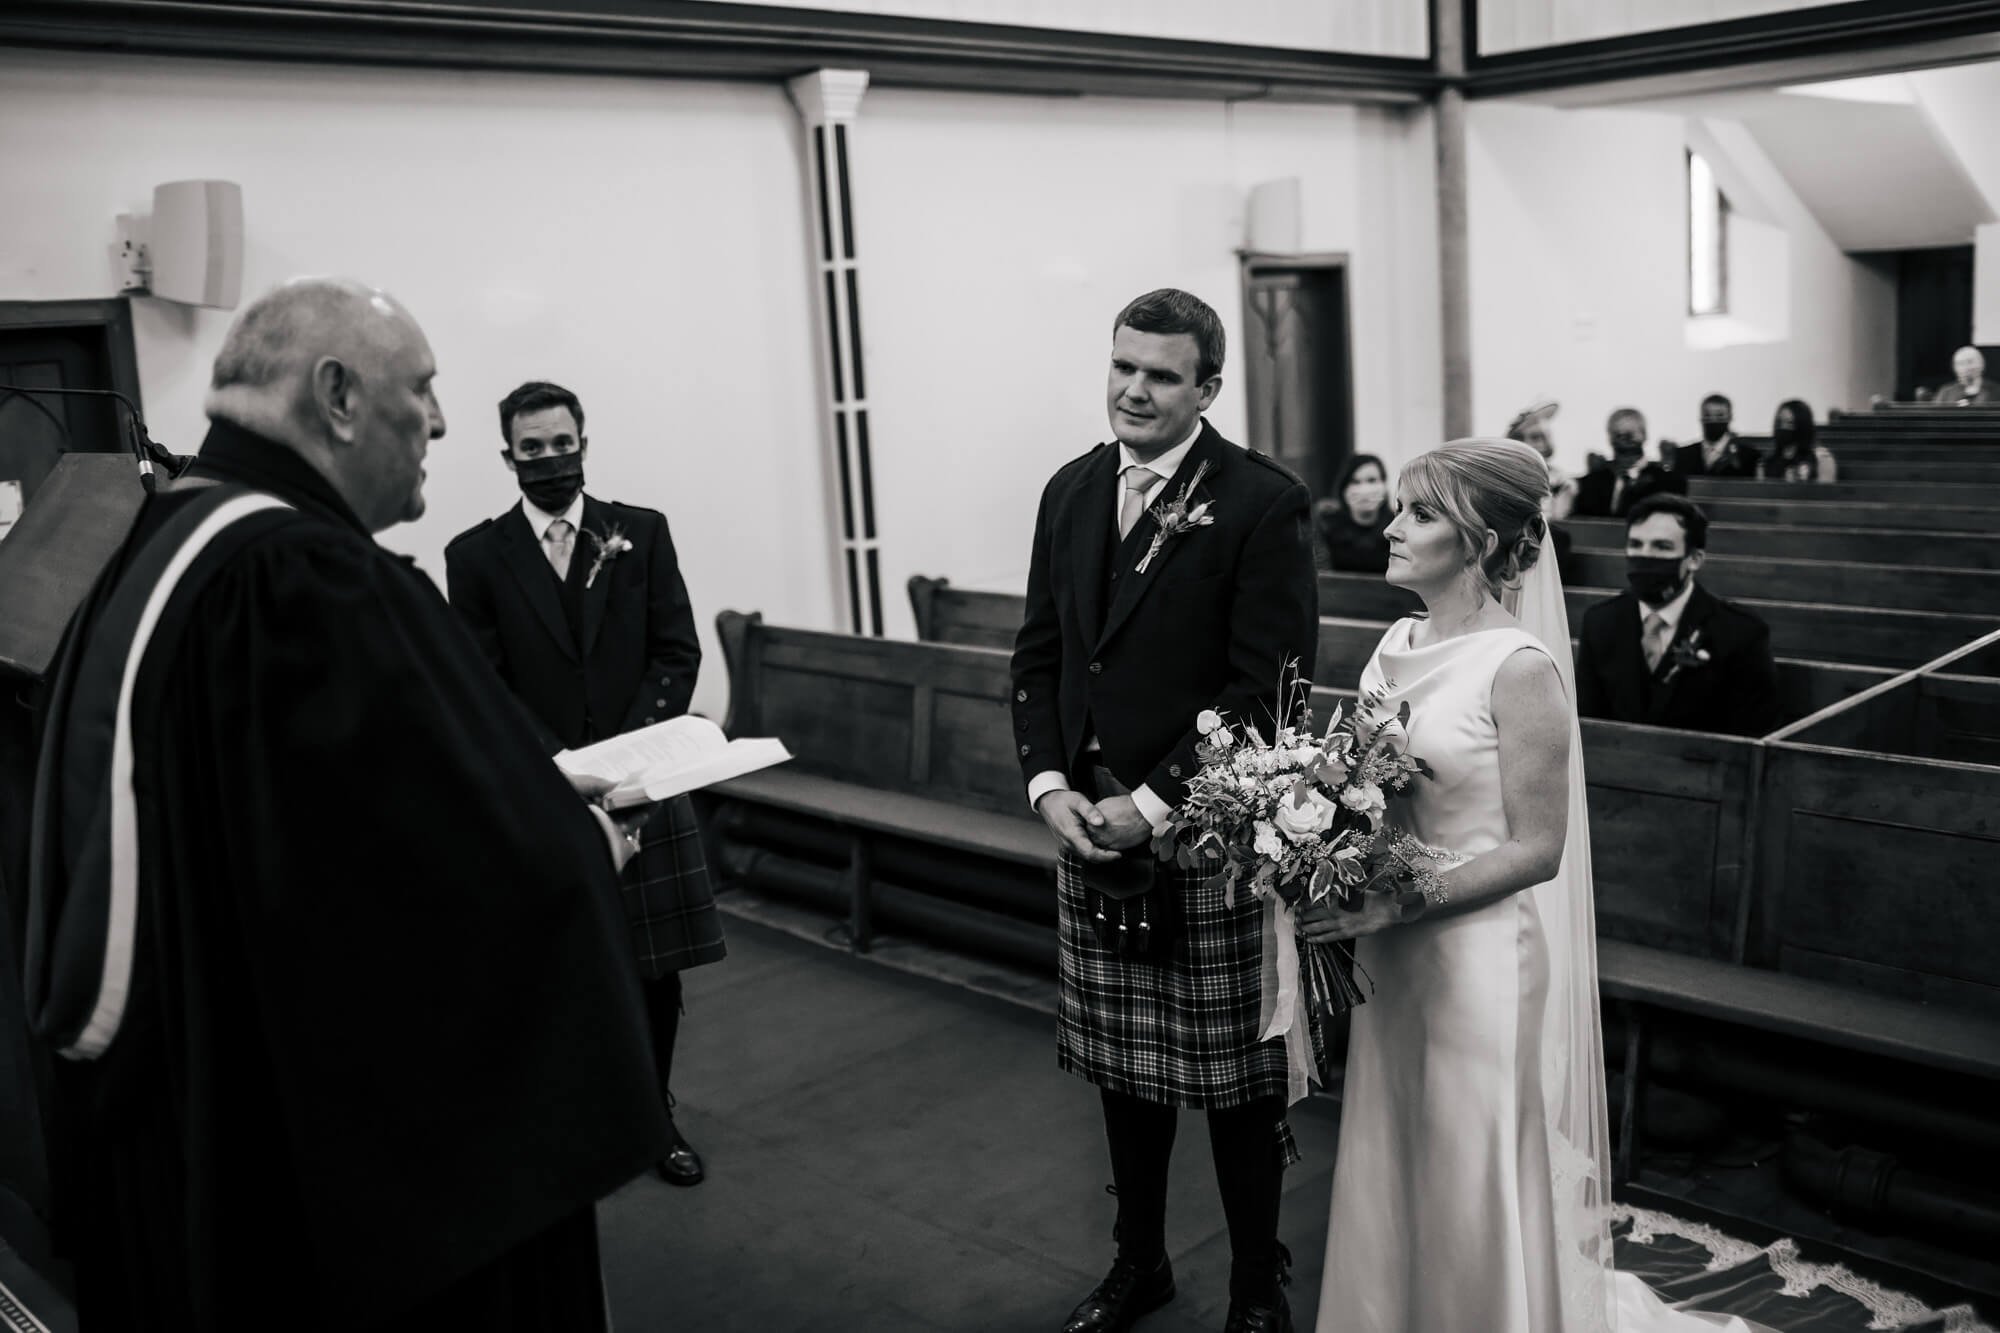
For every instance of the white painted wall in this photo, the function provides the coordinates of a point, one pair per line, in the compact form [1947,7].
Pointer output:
[646,243]
[1515,25]
[641,242]
[1579,291]
[1363,27]
[999,237]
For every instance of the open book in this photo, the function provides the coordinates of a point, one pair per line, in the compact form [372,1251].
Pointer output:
[681,755]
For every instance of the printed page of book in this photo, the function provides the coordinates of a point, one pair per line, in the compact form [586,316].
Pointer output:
[676,743]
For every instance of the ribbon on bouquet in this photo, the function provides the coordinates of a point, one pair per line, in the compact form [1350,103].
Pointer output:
[1281,1010]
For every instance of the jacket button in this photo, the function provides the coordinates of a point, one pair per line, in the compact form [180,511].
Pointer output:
[1020,696]
[1026,750]
[650,719]
[1174,770]
[659,703]
[1097,668]
[1024,724]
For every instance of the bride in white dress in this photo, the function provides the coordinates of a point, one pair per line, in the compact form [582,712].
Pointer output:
[1472,1190]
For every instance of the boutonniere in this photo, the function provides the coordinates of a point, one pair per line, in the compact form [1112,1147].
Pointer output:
[1174,518]
[1683,654]
[610,544]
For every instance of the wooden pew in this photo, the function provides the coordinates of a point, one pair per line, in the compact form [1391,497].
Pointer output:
[1904,494]
[1787,511]
[1876,861]
[903,747]
[1813,632]
[947,614]
[1909,587]
[900,743]
[1877,546]
[1896,470]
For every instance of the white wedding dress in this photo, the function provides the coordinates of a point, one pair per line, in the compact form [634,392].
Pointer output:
[1471,1192]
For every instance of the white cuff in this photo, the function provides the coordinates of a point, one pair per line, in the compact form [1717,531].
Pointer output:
[1045,782]
[1155,810]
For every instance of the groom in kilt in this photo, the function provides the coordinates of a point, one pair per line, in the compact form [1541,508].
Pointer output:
[1172,572]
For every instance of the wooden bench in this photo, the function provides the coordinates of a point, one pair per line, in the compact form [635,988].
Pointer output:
[911,744]
[946,614]
[1874,546]
[1900,494]
[1864,636]
[1909,587]
[1801,512]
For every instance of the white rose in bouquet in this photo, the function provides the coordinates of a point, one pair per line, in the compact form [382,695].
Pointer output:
[1304,822]
[1366,799]
[1268,843]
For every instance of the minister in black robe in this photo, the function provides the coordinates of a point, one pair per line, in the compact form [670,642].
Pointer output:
[375,1052]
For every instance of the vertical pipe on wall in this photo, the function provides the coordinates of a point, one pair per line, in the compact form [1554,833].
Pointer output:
[1454,267]
[828,101]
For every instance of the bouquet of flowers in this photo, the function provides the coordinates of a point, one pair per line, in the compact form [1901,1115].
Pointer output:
[1295,822]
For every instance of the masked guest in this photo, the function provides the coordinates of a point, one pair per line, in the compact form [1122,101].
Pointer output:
[1611,492]
[1667,653]
[579,604]
[1350,528]
[1720,452]
[1796,453]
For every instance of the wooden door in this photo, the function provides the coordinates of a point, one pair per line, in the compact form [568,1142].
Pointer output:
[1296,366]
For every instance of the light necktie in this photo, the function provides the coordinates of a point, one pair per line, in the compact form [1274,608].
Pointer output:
[558,541]
[1138,480]
[1657,637]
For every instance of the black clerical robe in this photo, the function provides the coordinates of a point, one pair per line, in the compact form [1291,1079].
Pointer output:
[379,1050]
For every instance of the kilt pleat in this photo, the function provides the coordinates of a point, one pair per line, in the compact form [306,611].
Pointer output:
[1182,1031]
[669,902]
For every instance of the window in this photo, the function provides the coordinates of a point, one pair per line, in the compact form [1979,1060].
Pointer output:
[1708,240]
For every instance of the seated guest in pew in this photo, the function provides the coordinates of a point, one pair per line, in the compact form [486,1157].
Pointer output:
[1796,453]
[1667,653]
[597,638]
[331,949]
[1531,427]
[1350,528]
[1160,970]
[1720,452]
[1611,492]
[1969,387]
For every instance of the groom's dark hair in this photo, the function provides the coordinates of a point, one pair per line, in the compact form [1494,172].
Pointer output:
[1171,310]
[1694,523]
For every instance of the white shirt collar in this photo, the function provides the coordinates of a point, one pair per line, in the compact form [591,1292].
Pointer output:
[1671,612]
[1714,451]
[1167,463]
[540,518]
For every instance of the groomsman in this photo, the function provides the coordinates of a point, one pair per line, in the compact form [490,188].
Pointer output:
[1668,653]
[1612,491]
[579,604]
[1130,632]
[1720,452]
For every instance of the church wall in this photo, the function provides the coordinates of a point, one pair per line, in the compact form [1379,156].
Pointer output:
[1579,280]
[1516,25]
[646,243]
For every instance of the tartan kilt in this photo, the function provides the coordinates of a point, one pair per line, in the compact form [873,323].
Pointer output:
[668,900]
[1182,1031]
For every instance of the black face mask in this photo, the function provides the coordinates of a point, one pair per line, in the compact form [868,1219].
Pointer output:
[1712,431]
[552,481]
[1783,438]
[1654,579]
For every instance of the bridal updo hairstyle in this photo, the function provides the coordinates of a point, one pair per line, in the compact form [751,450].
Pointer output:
[1481,486]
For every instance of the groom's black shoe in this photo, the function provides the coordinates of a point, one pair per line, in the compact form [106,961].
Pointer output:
[1128,1291]
[1245,1317]
[682,1164]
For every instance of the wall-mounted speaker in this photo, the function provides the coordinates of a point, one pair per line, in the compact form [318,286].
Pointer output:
[196,244]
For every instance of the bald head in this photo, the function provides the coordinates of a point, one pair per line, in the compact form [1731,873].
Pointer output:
[338,372]
[1968,365]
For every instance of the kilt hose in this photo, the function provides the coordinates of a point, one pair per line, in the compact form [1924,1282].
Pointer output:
[668,901]
[1182,1032]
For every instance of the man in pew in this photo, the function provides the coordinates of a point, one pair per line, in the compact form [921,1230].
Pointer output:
[580,606]
[330,948]
[1720,452]
[1667,653]
[1969,386]
[1136,622]
[1611,492]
